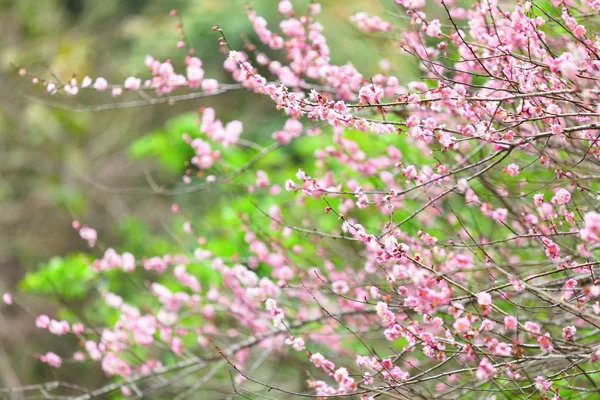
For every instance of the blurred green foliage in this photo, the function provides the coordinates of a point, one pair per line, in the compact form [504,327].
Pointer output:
[67,277]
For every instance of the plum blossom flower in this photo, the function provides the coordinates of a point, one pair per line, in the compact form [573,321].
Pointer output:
[51,359]
[512,170]
[59,328]
[370,94]
[285,7]
[591,230]
[132,83]
[101,84]
[486,370]
[510,323]
[542,384]
[484,299]
[462,325]
[562,196]
[42,321]
[579,31]
[569,332]
[89,234]
[296,342]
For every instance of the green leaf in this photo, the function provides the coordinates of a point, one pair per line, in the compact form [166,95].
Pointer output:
[66,277]
[167,144]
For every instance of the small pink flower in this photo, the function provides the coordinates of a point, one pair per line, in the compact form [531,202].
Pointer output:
[532,327]
[486,325]
[101,84]
[177,345]
[7,298]
[42,321]
[484,299]
[128,261]
[78,328]
[569,332]
[512,170]
[296,342]
[545,342]
[434,28]
[89,234]
[285,7]
[538,199]
[591,232]
[59,328]
[542,384]
[556,129]
[579,30]
[486,370]
[561,197]
[370,94]
[209,85]
[510,323]
[552,250]
[51,359]
[462,325]
[132,83]
[412,121]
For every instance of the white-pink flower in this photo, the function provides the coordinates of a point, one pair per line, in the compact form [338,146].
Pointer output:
[101,84]
[512,170]
[132,83]
[51,359]
[484,299]
[562,196]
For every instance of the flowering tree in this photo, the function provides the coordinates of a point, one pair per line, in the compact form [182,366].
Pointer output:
[439,240]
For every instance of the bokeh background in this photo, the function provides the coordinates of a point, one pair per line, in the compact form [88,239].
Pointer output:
[58,164]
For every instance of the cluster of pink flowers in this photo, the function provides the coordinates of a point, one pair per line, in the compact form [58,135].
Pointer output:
[368,23]
[447,259]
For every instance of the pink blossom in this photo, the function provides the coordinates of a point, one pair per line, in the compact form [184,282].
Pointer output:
[569,332]
[562,196]
[132,83]
[59,328]
[370,94]
[484,299]
[296,342]
[89,234]
[101,84]
[285,7]
[532,327]
[177,345]
[462,325]
[591,230]
[512,170]
[538,199]
[486,370]
[434,28]
[579,31]
[542,384]
[78,328]
[42,322]
[552,250]
[112,365]
[51,359]
[210,85]
[510,323]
